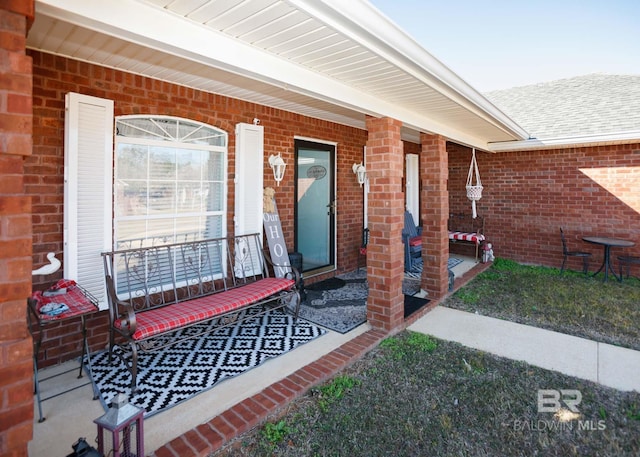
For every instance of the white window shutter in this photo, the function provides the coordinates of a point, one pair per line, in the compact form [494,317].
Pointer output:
[412,186]
[88,169]
[249,178]
[249,182]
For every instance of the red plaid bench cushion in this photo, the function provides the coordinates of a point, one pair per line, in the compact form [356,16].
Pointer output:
[160,320]
[463,236]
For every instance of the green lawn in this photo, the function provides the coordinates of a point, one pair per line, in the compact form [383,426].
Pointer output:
[569,303]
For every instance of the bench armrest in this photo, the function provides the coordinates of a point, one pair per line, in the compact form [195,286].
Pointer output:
[120,310]
[293,274]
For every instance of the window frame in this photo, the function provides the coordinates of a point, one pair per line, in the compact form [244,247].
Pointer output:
[170,142]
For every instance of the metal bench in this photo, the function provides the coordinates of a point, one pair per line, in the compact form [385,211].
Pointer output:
[154,291]
[463,228]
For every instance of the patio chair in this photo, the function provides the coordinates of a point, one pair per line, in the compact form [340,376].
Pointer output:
[412,239]
[627,261]
[586,256]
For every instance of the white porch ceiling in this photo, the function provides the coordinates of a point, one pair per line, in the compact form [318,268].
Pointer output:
[330,59]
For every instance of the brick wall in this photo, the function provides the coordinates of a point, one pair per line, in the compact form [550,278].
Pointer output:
[527,196]
[54,76]
[16,368]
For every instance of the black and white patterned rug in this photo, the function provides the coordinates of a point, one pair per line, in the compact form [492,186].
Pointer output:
[175,374]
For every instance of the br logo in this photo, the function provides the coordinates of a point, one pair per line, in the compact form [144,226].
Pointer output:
[551,400]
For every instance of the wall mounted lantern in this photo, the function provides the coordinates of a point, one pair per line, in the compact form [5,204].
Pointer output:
[360,172]
[278,166]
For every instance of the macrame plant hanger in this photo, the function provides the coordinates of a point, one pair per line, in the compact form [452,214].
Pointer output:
[474,192]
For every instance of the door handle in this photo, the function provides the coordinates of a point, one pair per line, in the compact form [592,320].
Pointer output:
[332,207]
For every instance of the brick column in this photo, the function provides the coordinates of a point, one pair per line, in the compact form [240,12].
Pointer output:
[385,259]
[434,173]
[16,368]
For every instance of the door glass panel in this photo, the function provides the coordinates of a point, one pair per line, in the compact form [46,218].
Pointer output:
[314,224]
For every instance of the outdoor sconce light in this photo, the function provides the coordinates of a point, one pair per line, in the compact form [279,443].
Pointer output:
[121,419]
[278,166]
[360,172]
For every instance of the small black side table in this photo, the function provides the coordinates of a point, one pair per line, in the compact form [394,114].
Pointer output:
[81,304]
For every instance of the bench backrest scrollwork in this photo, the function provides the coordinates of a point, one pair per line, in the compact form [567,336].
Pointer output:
[153,276]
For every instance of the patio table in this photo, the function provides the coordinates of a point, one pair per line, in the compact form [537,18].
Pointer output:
[79,304]
[607,243]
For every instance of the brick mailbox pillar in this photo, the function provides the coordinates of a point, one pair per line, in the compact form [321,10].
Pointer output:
[385,258]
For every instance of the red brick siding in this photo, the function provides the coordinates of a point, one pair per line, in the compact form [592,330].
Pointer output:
[528,195]
[55,76]
[16,366]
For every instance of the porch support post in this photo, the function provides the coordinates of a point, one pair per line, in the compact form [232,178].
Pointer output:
[16,262]
[434,173]
[385,260]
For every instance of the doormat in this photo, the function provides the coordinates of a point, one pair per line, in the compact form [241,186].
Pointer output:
[345,308]
[327,284]
[340,309]
[173,375]
[413,304]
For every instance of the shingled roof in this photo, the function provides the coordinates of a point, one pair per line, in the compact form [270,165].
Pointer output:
[593,104]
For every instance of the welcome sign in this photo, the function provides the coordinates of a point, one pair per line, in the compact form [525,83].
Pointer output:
[277,246]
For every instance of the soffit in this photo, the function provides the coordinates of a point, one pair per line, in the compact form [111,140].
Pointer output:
[302,56]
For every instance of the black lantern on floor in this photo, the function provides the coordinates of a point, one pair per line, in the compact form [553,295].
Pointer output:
[124,421]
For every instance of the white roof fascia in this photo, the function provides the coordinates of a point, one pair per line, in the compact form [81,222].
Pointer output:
[566,142]
[157,29]
[388,40]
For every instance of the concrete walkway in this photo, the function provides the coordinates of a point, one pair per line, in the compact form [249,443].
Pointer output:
[605,364]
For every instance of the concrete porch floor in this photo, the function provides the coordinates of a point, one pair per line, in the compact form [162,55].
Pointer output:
[211,418]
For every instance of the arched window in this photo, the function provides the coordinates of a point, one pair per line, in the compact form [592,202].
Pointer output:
[170,179]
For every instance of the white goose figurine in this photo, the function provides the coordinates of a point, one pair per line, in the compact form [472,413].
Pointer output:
[50,268]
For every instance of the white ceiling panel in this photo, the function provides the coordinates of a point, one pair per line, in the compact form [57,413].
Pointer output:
[322,51]
[245,15]
[208,11]
[285,30]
